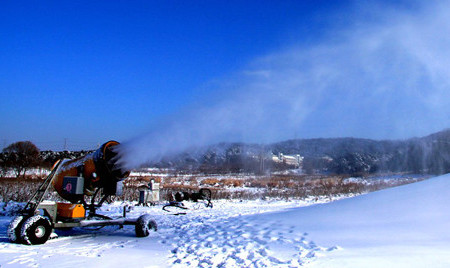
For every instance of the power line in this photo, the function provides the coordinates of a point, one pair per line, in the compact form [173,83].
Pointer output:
[68,144]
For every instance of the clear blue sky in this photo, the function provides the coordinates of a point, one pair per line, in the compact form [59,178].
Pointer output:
[89,71]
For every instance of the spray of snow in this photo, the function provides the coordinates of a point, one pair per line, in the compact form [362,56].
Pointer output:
[387,78]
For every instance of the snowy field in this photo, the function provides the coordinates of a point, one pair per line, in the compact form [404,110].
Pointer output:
[406,226]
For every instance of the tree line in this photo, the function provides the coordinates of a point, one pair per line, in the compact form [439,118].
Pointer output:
[21,156]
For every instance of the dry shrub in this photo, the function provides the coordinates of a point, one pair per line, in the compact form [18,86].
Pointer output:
[193,180]
[170,180]
[20,190]
[232,182]
[178,187]
[210,181]
[272,184]
[276,186]
[257,183]
[135,181]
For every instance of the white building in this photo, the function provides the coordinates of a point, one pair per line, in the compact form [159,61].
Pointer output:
[292,160]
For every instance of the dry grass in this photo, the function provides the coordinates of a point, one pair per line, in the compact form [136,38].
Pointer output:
[237,186]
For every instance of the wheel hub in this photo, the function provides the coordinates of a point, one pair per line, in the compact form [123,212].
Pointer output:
[40,231]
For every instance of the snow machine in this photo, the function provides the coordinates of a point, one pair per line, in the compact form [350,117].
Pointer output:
[93,176]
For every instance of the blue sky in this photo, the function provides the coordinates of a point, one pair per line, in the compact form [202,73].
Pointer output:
[91,71]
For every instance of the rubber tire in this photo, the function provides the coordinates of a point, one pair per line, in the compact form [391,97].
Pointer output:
[206,194]
[14,229]
[36,230]
[144,225]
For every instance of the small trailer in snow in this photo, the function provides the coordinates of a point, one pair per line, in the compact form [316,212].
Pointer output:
[92,175]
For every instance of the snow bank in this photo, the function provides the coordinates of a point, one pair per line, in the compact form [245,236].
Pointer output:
[406,226]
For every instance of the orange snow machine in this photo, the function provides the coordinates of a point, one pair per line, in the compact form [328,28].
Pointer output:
[81,182]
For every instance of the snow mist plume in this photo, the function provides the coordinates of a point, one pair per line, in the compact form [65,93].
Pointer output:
[384,79]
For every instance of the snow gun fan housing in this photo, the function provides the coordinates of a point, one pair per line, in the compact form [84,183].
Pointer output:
[88,174]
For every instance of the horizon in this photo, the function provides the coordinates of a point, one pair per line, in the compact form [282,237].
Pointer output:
[271,143]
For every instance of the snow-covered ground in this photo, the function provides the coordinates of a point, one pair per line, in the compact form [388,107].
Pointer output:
[406,226]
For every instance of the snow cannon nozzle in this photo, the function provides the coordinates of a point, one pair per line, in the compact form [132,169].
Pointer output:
[85,176]
[106,159]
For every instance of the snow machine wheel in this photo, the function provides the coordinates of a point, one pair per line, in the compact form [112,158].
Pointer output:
[206,195]
[144,224]
[36,230]
[14,229]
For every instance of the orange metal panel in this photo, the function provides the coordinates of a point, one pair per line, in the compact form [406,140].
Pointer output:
[71,211]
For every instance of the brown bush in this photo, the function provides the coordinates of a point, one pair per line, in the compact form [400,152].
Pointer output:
[278,186]
[232,182]
[210,181]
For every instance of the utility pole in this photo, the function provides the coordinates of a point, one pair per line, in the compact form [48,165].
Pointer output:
[261,159]
[65,144]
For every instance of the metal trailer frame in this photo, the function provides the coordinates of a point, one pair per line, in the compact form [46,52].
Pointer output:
[47,211]
[50,210]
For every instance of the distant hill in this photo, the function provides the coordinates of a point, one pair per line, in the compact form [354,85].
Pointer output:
[425,155]
[429,155]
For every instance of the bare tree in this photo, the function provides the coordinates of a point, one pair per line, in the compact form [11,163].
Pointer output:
[3,165]
[20,156]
